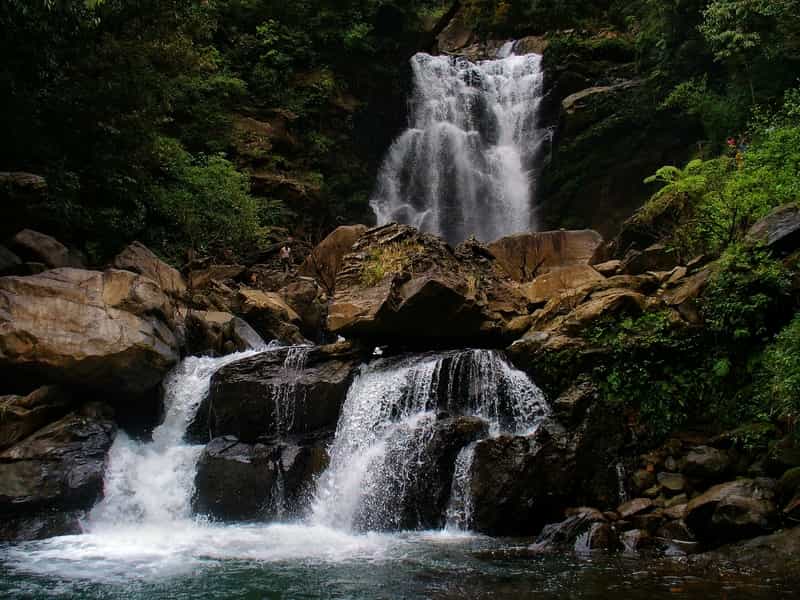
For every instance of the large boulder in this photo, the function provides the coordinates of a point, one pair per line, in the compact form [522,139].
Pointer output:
[526,256]
[399,283]
[557,281]
[245,482]
[325,260]
[38,247]
[779,230]
[58,468]
[292,391]
[732,511]
[105,330]
[20,416]
[138,258]
[310,302]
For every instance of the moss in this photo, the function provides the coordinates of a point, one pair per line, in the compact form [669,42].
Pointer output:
[388,260]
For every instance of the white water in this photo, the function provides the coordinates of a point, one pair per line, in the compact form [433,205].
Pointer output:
[464,165]
[388,415]
[144,529]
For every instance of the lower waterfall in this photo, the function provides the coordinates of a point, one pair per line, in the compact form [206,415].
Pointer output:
[144,526]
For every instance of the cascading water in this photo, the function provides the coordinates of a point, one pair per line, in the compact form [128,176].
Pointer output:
[390,414]
[464,166]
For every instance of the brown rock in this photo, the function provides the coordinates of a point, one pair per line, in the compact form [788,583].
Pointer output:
[20,416]
[10,263]
[652,258]
[634,507]
[779,230]
[557,281]
[324,261]
[201,278]
[138,258]
[270,315]
[104,330]
[528,255]
[608,268]
[217,333]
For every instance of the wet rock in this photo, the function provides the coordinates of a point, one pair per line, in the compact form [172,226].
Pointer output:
[399,502]
[581,532]
[643,479]
[572,404]
[634,507]
[635,540]
[325,260]
[46,319]
[264,395]
[58,468]
[234,481]
[705,462]
[763,553]
[40,526]
[609,267]
[216,333]
[20,416]
[676,511]
[38,247]
[733,510]
[779,230]
[526,256]
[140,259]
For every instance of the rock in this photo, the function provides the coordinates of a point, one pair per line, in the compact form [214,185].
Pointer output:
[531,44]
[678,537]
[733,510]
[46,524]
[325,260]
[572,404]
[270,316]
[765,554]
[526,256]
[297,391]
[397,501]
[704,462]
[201,278]
[611,302]
[678,511]
[59,467]
[20,416]
[608,268]
[138,258]
[307,299]
[22,181]
[635,540]
[642,479]
[789,483]
[558,280]
[216,333]
[234,481]
[401,284]
[684,296]
[779,230]
[10,263]
[581,532]
[105,330]
[35,246]
[674,482]
[676,501]
[456,34]
[634,507]
[652,258]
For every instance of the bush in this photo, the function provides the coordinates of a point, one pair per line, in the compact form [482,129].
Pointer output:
[778,380]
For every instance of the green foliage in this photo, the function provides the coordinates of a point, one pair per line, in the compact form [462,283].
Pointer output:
[748,292]
[204,203]
[778,380]
[388,260]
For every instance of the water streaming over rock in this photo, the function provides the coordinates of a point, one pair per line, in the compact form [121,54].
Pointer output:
[390,443]
[459,509]
[465,166]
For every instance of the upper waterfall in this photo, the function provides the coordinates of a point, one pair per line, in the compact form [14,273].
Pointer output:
[463,167]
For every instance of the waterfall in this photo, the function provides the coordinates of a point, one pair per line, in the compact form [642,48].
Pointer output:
[464,166]
[152,482]
[285,395]
[377,460]
[459,510]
